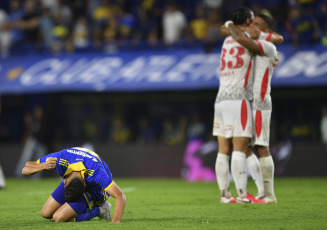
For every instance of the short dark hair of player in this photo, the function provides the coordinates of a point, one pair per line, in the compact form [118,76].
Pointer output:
[74,190]
[240,15]
[268,20]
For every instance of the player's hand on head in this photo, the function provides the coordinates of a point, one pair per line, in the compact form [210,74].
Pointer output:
[51,163]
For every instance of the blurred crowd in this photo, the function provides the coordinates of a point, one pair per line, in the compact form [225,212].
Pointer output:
[110,25]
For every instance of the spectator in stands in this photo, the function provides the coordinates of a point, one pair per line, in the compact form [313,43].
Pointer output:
[81,33]
[52,5]
[102,12]
[102,16]
[143,26]
[214,35]
[65,13]
[156,21]
[303,27]
[29,23]
[174,24]
[15,14]
[60,34]
[46,26]
[154,9]
[109,37]
[126,23]
[199,25]
[213,4]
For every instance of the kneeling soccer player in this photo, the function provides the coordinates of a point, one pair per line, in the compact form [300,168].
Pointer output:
[83,193]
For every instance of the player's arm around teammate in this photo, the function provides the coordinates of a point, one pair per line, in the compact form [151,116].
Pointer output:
[272,37]
[242,39]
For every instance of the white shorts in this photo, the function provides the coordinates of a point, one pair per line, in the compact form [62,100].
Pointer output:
[233,119]
[261,131]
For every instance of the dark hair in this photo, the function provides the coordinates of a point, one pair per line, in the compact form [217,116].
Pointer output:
[267,20]
[240,15]
[74,190]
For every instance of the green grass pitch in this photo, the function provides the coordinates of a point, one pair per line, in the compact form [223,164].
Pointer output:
[176,204]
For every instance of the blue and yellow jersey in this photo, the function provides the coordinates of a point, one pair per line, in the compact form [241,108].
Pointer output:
[94,170]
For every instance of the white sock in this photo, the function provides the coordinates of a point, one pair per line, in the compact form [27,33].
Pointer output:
[253,166]
[268,169]
[2,178]
[222,174]
[239,172]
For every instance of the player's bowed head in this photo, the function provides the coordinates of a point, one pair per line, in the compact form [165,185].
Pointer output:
[74,187]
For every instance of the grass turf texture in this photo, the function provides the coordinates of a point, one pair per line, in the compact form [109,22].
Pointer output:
[176,204]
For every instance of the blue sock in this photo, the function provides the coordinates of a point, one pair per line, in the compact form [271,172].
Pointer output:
[88,215]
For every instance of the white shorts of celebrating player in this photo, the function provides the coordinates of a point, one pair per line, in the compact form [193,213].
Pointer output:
[261,129]
[233,119]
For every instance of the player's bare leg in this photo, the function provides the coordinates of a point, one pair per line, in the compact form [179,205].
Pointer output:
[64,214]
[222,169]
[268,169]
[49,208]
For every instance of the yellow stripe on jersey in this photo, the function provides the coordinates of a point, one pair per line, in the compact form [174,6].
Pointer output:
[89,172]
[105,194]
[64,162]
[76,167]
[105,197]
[38,161]
[90,204]
[111,184]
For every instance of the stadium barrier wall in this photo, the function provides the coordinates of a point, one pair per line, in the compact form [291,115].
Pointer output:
[307,159]
[180,69]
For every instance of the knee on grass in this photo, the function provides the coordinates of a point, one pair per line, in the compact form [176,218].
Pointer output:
[57,217]
[46,214]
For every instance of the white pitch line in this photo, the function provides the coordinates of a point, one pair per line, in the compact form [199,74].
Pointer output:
[129,189]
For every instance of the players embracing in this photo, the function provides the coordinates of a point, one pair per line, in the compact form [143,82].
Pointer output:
[246,67]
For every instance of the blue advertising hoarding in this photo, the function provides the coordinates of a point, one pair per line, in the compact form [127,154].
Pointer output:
[147,71]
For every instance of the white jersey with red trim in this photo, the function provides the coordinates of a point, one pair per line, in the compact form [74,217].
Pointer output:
[236,72]
[263,71]
[264,36]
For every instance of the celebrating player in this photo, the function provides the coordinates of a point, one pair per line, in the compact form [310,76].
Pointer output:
[233,117]
[85,189]
[262,106]
[261,83]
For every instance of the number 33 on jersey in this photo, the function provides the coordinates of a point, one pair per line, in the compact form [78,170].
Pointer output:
[236,77]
